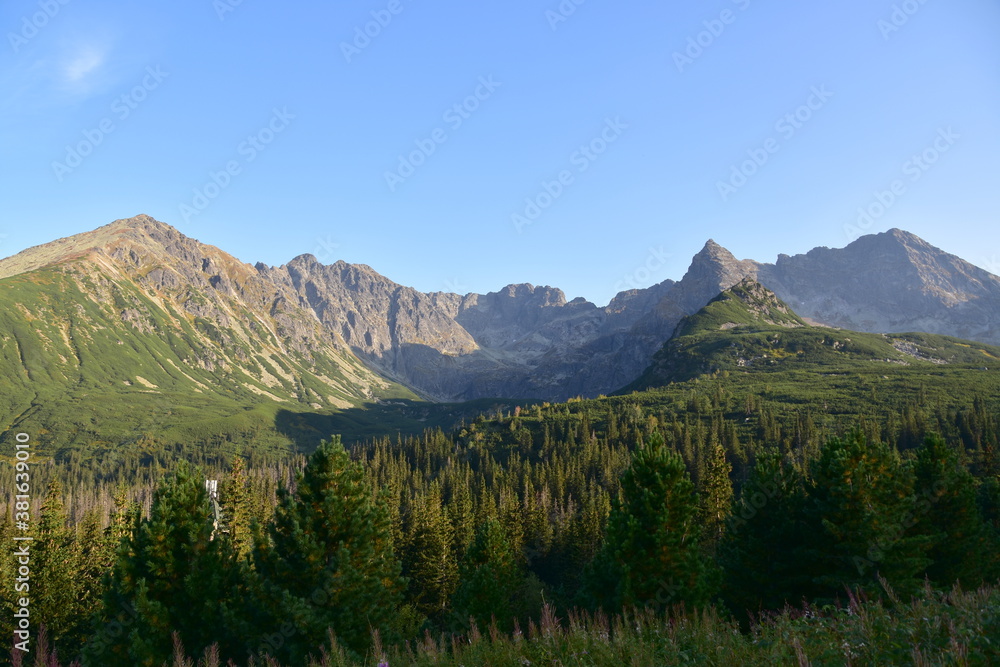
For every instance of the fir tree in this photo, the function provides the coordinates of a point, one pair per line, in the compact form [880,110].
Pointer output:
[860,512]
[171,577]
[761,552]
[328,562]
[946,510]
[653,533]
[491,576]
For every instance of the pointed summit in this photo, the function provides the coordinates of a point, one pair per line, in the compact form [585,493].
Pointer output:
[889,282]
[712,270]
[141,221]
[138,237]
[713,250]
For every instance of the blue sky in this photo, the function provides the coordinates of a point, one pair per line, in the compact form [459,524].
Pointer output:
[465,146]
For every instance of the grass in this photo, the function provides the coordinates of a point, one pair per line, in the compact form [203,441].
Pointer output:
[935,628]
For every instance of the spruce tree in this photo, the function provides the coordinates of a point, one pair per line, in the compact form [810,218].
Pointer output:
[946,510]
[988,502]
[860,513]
[761,552]
[95,558]
[327,562]
[8,575]
[431,565]
[54,578]
[653,533]
[236,500]
[124,518]
[717,496]
[171,577]
[491,576]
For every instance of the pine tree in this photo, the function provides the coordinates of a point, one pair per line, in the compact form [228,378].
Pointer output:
[491,575]
[946,510]
[717,496]
[171,577]
[860,510]
[54,564]
[653,533]
[761,552]
[328,562]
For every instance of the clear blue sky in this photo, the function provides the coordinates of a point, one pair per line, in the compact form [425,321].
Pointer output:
[177,91]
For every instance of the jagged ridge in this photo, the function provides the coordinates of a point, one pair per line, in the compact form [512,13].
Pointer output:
[748,329]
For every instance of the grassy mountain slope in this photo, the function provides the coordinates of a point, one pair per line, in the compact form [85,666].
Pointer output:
[748,330]
[151,339]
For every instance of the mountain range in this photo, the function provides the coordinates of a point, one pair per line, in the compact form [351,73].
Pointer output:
[137,304]
[747,329]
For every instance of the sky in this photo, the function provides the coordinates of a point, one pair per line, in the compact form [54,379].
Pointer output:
[589,145]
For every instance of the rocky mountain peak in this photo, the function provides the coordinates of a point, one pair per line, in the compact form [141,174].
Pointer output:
[715,261]
[541,295]
[712,270]
[712,251]
[524,340]
[305,259]
[139,222]
[763,303]
[745,303]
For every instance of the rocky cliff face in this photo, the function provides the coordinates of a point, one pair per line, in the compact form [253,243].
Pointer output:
[141,278]
[889,282]
[522,341]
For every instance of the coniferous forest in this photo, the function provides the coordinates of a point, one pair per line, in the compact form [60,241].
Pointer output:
[499,334]
[708,527]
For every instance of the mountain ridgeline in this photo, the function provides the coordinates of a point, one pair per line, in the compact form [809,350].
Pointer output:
[748,329]
[135,317]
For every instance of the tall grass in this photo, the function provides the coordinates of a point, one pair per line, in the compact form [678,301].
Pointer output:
[953,627]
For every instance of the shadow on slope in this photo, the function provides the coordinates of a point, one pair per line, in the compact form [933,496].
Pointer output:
[392,418]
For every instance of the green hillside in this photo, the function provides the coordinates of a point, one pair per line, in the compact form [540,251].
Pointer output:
[748,331]
[94,364]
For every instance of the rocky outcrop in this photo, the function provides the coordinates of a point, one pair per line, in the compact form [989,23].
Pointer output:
[523,341]
[889,282]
